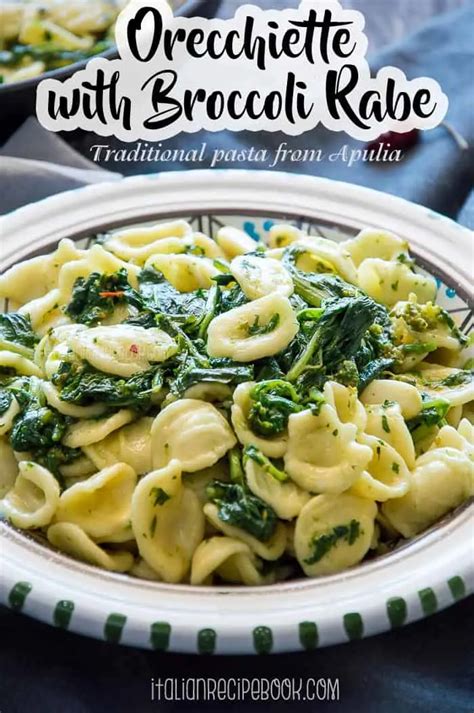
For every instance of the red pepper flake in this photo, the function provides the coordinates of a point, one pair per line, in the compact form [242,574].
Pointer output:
[134,349]
[119,293]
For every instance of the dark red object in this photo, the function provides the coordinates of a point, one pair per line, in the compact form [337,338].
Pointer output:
[134,349]
[111,294]
[395,140]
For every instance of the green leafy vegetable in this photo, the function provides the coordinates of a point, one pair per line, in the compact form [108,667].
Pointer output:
[433,413]
[81,384]
[186,309]
[272,403]
[16,333]
[95,298]
[219,371]
[159,496]
[5,400]
[256,328]
[338,334]
[237,474]
[238,507]
[38,428]
[322,544]
[265,463]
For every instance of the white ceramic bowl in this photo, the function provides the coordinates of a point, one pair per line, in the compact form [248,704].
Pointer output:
[426,575]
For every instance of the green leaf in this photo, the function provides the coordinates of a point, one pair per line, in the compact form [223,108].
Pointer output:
[322,544]
[238,507]
[16,333]
[96,297]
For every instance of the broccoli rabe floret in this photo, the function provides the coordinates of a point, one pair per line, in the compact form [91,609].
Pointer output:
[422,318]
[272,403]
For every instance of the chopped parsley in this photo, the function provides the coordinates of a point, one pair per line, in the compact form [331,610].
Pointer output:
[322,544]
[256,328]
[159,496]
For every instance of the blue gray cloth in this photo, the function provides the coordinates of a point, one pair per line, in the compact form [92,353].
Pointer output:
[436,173]
[421,668]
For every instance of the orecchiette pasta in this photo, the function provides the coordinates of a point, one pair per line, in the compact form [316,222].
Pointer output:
[386,476]
[167,522]
[286,498]
[321,255]
[281,235]
[323,455]
[45,312]
[259,329]
[84,433]
[100,505]
[233,241]
[346,404]
[333,532]
[9,469]
[372,243]
[33,499]
[258,276]
[461,439]
[442,479]
[242,568]
[192,432]
[271,549]
[390,281]
[193,409]
[211,554]
[138,244]
[185,272]
[69,538]
[405,395]
[272,447]
[131,445]
[36,277]
[454,385]
[18,363]
[123,350]
[387,424]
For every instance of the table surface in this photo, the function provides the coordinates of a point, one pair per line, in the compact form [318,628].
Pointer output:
[425,666]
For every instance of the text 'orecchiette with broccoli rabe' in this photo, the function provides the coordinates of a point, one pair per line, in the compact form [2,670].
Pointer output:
[219,410]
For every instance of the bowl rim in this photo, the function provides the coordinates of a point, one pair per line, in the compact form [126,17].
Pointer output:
[229,620]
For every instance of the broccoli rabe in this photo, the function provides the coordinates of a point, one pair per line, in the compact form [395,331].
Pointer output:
[337,336]
[272,403]
[81,384]
[96,297]
[5,400]
[37,425]
[253,453]
[238,507]
[420,318]
[222,371]
[433,413]
[16,333]
[39,428]
[186,309]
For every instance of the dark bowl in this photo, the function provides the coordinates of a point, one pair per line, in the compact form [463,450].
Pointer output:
[18,100]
